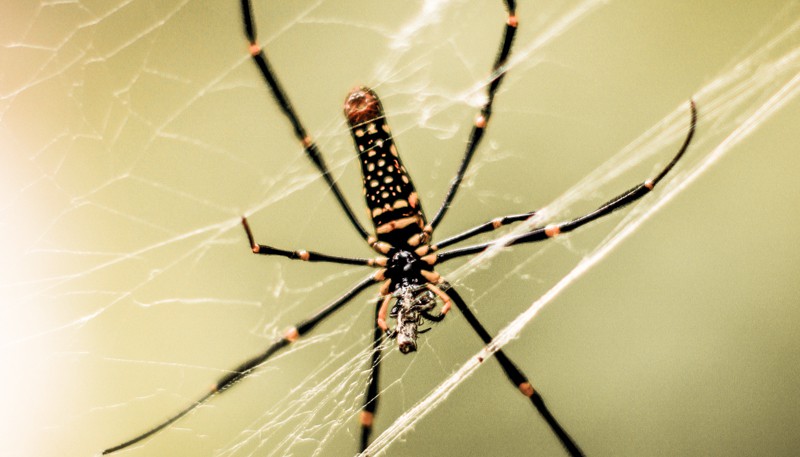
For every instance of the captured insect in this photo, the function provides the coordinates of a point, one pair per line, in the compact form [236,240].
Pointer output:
[411,292]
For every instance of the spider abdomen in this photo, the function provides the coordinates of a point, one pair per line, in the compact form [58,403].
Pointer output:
[392,201]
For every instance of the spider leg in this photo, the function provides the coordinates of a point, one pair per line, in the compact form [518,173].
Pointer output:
[371,398]
[550,231]
[446,301]
[246,367]
[517,377]
[494,224]
[498,72]
[309,256]
[260,58]
[383,310]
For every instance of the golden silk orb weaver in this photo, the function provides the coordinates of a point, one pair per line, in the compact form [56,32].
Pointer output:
[403,237]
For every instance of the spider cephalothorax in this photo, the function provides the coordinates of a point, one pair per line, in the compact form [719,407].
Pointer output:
[404,269]
[414,298]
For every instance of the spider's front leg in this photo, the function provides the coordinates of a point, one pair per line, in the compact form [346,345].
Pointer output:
[517,378]
[371,398]
[240,371]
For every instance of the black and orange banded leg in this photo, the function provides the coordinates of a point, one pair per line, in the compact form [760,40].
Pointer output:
[371,397]
[517,377]
[243,369]
[308,256]
[494,224]
[553,230]
[260,58]
[482,119]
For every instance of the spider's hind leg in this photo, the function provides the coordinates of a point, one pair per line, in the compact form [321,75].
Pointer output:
[282,99]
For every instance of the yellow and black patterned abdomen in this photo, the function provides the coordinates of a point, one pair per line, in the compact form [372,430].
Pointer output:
[392,201]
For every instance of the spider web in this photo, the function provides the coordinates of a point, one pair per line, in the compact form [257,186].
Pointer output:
[135,135]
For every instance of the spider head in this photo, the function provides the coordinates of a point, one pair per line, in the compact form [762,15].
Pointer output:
[404,268]
[413,300]
[412,305]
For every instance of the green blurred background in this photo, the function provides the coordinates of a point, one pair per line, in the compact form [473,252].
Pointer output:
[134,135]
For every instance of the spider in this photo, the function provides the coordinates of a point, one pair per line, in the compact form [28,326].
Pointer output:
[410,289]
